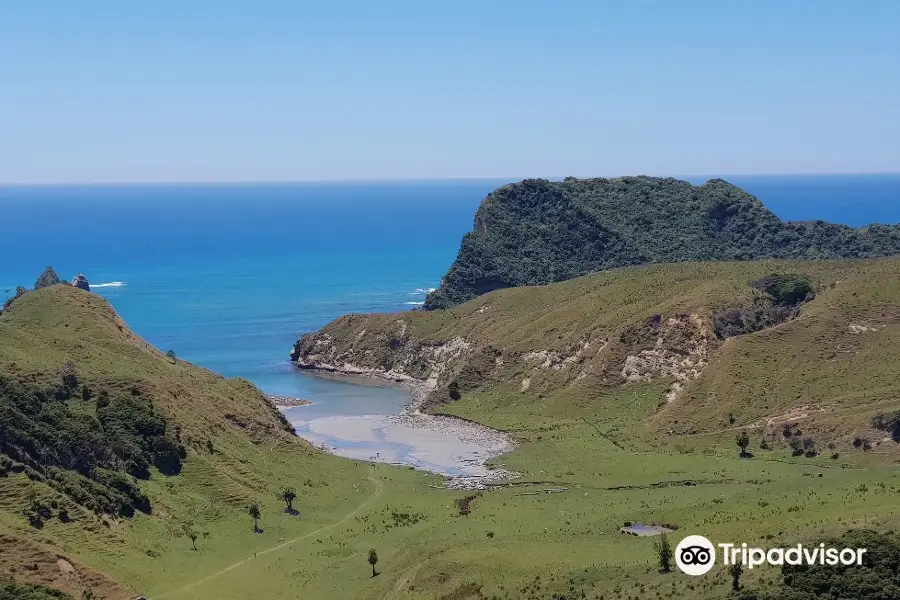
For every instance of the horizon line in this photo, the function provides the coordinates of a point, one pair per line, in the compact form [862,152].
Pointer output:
[388,180]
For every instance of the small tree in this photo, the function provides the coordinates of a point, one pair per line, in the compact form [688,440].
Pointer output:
[373,560]
[69,376]
[253,511]
[743,440]
[664,553]
[191,533]
[736,572]
[171,356]
[287,494]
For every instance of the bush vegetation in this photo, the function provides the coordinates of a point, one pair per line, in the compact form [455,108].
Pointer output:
[889,422]
[878,578]
[538,232]
[91,452]
[782,295]
[10,590]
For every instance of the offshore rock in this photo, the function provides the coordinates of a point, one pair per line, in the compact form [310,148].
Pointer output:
[81,282]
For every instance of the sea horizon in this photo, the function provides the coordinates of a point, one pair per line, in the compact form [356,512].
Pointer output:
[230,275]
[450,179]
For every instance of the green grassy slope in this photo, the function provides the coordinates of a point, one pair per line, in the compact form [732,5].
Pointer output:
[834,365]
[602,440]
[238,452]
[621,451]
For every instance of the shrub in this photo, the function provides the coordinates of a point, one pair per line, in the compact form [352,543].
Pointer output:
[809,447]
[69,376]
[785,289]
[889,422]
[740,321]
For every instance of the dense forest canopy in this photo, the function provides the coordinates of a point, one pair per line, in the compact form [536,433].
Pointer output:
[537,232]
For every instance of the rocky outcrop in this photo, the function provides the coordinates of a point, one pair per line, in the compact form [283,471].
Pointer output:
[676,347]
[387,354]
[81,282]
[47,278]
[680,348]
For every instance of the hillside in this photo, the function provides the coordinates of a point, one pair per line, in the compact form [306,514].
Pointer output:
[112,453]
[723,353]
[753,401]
[537,232]
[581,374]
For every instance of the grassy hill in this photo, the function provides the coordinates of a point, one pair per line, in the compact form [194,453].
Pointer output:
[625,389]
[583,429]
[563,347]
[537,232]
[237,450]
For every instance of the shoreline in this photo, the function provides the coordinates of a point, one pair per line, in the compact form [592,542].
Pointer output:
[288,401]
[493,442]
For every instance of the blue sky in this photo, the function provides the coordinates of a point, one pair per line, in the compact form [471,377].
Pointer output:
[278,90]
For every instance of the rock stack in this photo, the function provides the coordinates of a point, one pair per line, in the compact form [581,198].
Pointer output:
[81,281]
[47,278]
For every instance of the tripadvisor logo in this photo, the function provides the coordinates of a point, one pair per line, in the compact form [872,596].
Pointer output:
[696,555]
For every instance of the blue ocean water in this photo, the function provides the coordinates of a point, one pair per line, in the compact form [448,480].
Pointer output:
[228,276]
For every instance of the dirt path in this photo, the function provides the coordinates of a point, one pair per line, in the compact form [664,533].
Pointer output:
[403,580]
[792,416]
[378,488]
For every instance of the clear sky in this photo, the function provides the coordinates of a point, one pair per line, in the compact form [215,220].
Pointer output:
[221,90]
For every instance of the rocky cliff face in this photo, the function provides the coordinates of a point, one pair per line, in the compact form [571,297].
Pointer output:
[675,347]
[388,352]
[81,282]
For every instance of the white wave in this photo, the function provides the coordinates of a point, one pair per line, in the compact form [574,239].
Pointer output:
[414,303]
[108,284]
[423,290]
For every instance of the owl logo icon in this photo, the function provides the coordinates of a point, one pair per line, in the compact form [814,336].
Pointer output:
[695,555]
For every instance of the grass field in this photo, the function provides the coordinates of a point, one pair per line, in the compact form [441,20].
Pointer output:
[607,445]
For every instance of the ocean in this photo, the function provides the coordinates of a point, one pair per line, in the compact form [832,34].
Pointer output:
[228,276]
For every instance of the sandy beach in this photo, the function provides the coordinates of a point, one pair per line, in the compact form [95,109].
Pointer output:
[454,448]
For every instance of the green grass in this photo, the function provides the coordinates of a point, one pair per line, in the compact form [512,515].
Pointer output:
[607,443]
[834,374]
